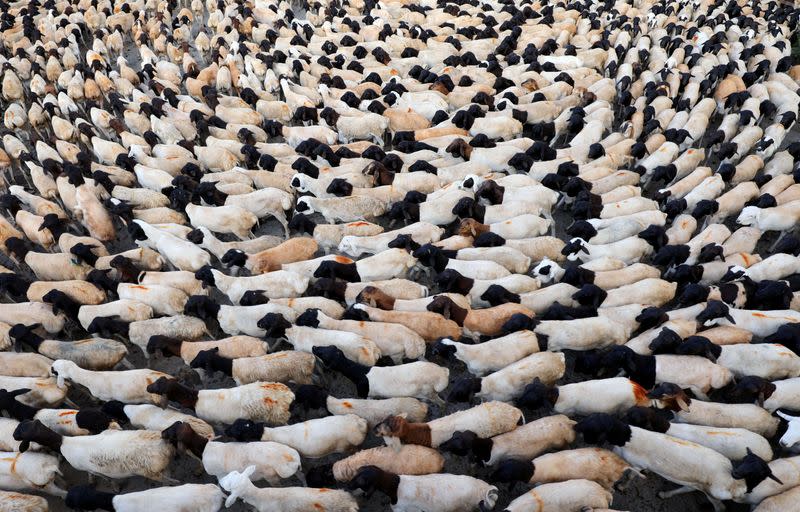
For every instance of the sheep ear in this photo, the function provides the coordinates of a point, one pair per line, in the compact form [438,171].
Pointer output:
[786,416]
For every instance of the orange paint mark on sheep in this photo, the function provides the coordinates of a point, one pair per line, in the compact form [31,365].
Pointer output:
[324,489]
[347,405]
[342,259]
[67,413]
[717,433]
[359,223]
[139,287]
[287,457]
[273,386]
[318,506]
[639,393]
[267,400]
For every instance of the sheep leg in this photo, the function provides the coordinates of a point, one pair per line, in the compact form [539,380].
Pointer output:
[675,492]
[775,244]
[282,219]
[437,400]
[627,477]
[717,504]
[53,489]
[70,403]
[278,343]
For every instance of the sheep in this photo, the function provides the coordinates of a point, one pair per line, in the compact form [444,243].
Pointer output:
[430,326]
[487,321]
[23,471]
[260,401]
[263,202]
[391,263]
[619,394]
[182,280]
[630,250]
[376,298]
[734,443]
[11,501]
[222,219]
[285,366]
[285,499]
[477,290]
[273,461]
[273,285]
[344,209]
[181,253]
[393,340]
[486,420]
[312,439]
[757,322]
[330,236]
[151,417]
[50,267]
[199,497]
[207,241]
[778,218]
[519,227]
[569,495]
[126,386]
[525,442]
[38,392]
[772,268]
[14,364]
[178,326]
[694,372]
[507,384]
[430,256]
[126,310]
[418,380]
[165,300]
[540,300]
[714,414]
[783,476]
[582,333]
[692,465]
[778,502]
[80,291]
[409,459]
[442,491]
[295,249]
[593,464]
[90,354]
[112,453]
[491,355]
[421,232]
[233,347]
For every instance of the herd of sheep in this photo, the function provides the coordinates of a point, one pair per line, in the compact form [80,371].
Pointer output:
[520,253]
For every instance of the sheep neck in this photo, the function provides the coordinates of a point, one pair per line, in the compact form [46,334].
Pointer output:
[417,433]
[185,396]
[388,484]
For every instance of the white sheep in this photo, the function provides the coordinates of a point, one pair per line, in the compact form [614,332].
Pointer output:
[284,499]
